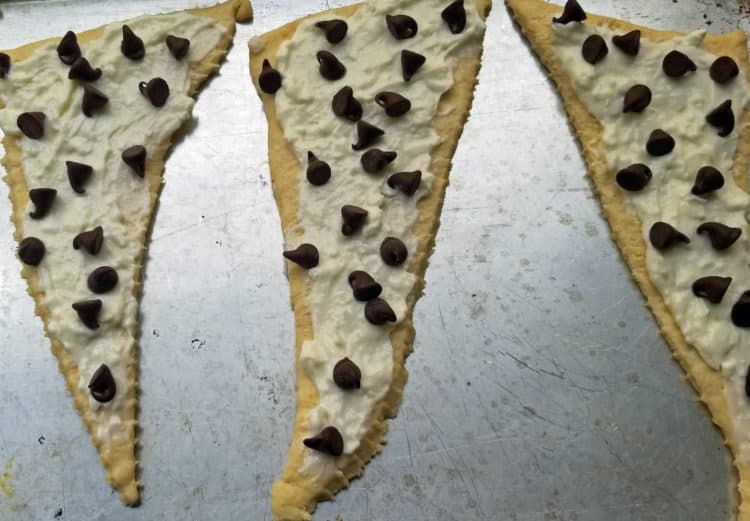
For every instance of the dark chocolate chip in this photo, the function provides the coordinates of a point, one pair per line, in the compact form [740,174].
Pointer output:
[406,182]
[318,172]
[31,251]
[78,175]
[102,279]
[711,288]
[720,235]
[4,64]
[328,441]
[629,43]
[346,374]
[637,98]
[305,255]
[594,49]
[366,135]
[659,143]
[455,16]
[93,100]
[90,240]
[353,219]
[345,105]
[410,63]
[663,236]
[393,251]
[269,78]
[88,312]
[747,383]
[131,46]
[135,158]
[572,12]
[677,64]
[375,160]
[32,124]
[179,47]
[378,312]
[395,104]
[330,66]
[724,69]
[722,118]
[156,90]
[741,311]
[335,30]
[102,384]
[401,26]
[707,180]
[364,286]
[82,70]
[68,49]
[43,198]
[634,177]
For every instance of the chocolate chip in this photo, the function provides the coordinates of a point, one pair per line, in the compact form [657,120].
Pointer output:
[720,235]
[747,383]
[629,43]
[78,175]
[711,288]
[659,143]
[4,64]
[346,374]
[135,158]
[375,160]
[663,236]
[707,180]
[393,251]
[366,135]
[354,218]
[131,46]
[395,104]
[102,279]
[156,90]
[269,78]
[335,30]
[88,312]
[330,66]
[401,26]
[179,47]
[378,312]
[410,63]
[637,98]
[318,172]
[722,118]
[634,177]
[406,182]
[93,100]
[455,16]
[594,49]
[91,240]
[68,50]
[328,441]
[306,255]
[364,286]
[82,70]
[32,124]
[42,199]
[572,12]
[677,64]
[724,69]
[741,311]
[102,385]
[31,251]
[345,105]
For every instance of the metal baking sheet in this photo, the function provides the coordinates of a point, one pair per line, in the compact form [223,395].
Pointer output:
[540,388]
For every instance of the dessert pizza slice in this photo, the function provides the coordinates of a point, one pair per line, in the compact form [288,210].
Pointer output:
[662,120]
[365,106]
[88,120]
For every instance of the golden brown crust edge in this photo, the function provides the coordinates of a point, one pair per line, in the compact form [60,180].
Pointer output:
[535,19]
[295,495]
[120,460]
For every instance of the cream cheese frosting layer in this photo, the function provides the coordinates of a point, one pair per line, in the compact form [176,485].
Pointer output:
[372,57]
[115,198]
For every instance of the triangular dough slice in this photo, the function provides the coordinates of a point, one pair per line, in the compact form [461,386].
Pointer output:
[350,372]
[704,321]
[96,343]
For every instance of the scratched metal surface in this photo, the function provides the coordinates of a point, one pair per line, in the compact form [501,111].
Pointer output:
[540,388]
